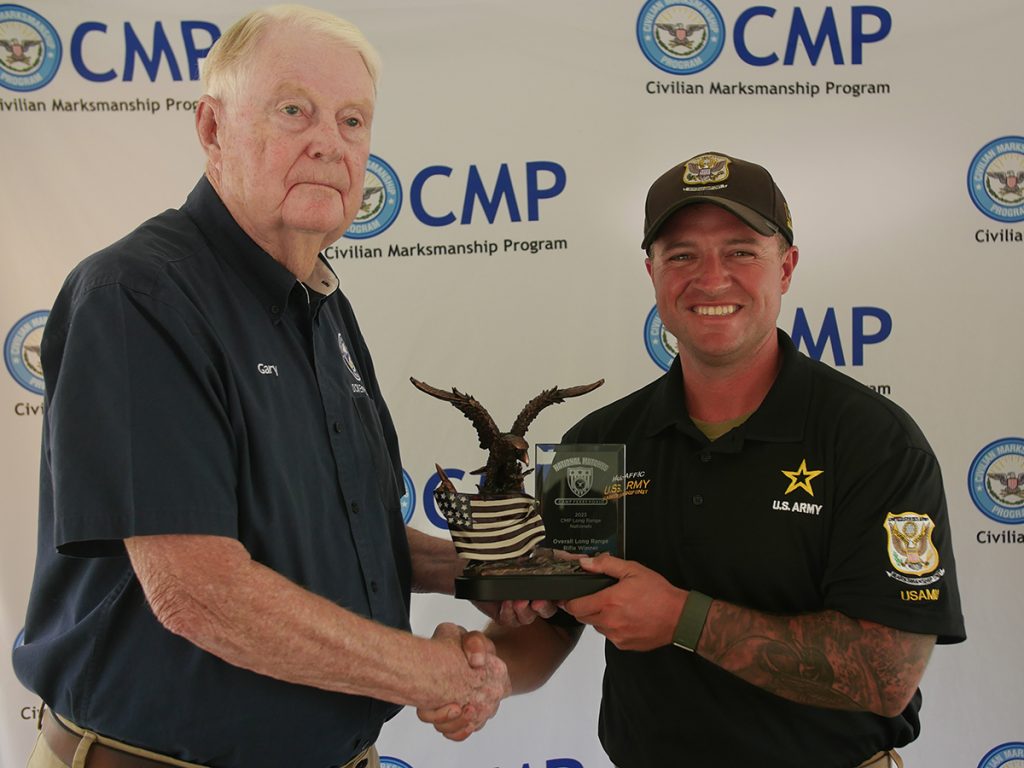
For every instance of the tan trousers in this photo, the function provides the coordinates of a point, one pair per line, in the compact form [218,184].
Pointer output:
[890,759]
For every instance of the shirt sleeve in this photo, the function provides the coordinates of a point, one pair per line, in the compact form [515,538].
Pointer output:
[137,429]
[890,549]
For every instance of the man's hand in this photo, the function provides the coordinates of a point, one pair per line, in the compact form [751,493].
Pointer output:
[459,719]
[517,613]
[520,613]
[637,614]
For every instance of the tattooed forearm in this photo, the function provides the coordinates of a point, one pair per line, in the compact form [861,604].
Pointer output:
[825,659]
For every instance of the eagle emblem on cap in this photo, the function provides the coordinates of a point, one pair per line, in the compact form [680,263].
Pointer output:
[706,169]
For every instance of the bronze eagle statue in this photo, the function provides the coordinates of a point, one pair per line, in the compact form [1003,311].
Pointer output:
[507,451]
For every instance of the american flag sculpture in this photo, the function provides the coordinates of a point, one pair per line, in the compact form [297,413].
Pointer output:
[501,522]
[489,529]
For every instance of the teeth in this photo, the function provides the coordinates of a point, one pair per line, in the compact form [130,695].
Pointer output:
[719,309]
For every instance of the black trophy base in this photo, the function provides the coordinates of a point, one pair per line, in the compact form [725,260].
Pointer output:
[530,587]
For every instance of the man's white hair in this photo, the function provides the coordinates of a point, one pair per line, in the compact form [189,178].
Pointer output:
[231,58]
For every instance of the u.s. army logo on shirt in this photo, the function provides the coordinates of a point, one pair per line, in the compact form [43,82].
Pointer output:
[801,477]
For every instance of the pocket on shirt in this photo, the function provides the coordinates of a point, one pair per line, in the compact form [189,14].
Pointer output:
[379,454]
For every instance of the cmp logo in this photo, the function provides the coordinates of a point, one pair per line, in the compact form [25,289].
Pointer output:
[30,50]
[22,351]
[382,199]
[661,344]
[680,38]
[996,480]
[392,762]
[408,498]
[1009,755]
[996,179]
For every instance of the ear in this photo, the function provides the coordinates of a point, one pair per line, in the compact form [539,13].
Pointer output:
[209,116]
[788,265]
[647,263]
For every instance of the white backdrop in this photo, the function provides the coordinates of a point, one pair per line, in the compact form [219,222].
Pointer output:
[912,256]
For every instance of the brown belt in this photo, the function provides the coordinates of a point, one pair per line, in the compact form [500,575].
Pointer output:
[65,743]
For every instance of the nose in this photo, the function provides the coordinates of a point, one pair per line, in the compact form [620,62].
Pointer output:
[713,275]
[325,140]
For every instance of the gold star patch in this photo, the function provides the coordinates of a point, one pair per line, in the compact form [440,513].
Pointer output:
[801,478]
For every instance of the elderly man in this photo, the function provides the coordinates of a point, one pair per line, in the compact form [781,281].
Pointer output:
[790,566]
[223,574]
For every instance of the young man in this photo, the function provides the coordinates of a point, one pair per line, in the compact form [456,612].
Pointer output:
[760,616]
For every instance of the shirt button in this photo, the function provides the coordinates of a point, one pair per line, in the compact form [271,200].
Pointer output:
[373,586]
[705,456]
[275,310]
[355,509]
[698,499]
[339,427]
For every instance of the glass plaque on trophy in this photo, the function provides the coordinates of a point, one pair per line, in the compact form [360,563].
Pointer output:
[580,503]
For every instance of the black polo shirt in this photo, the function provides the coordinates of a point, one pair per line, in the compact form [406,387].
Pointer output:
[193,386]
[827,498]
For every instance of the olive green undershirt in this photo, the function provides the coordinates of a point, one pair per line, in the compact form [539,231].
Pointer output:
[715,429]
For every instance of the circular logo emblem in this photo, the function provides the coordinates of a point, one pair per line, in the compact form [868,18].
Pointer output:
[22,353]
[382,199]
[996,179]
[30,49]
[409,498]
[996,480]
[1009,755]
[347,357]
[680,37]
[393,762]
[661,344]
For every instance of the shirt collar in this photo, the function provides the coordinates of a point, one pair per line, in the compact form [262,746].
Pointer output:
[780,417]
[783,413]
[270,282]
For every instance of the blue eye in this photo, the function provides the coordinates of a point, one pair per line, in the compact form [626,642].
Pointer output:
[291,110]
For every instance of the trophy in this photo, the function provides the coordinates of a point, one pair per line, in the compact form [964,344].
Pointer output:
[500,529]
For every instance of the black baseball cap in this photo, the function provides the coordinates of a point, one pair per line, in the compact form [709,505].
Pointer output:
[742,188]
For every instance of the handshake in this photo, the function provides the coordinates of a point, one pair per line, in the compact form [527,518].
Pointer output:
[516,653]
[478,680]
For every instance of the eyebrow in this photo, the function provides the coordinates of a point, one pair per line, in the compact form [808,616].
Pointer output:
[687,243]
[289,87]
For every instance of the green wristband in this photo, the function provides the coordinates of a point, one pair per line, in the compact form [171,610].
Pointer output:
[691,620]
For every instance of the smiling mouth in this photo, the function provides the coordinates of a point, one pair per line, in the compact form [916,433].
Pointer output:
[717,310]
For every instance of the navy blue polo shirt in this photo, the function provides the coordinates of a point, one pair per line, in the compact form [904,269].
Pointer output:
[827,498]
[193,386]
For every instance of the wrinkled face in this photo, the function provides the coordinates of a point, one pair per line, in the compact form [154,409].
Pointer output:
[718,284]
[292,145]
